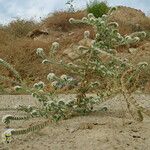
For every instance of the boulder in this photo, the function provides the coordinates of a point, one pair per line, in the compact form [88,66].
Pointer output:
[73,51]
[37,32]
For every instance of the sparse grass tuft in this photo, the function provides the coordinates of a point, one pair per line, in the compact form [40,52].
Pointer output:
[20,28]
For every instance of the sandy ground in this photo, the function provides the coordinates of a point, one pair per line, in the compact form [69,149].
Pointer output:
[111,130]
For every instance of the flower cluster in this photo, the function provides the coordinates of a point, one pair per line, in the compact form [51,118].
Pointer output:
[65,109]
[86,34]
[7,136]
[51,77]
[107,35]
[62,81]
[5,119]
[17,88]
[54,47]
[40,85]
[9,67]
[40,52]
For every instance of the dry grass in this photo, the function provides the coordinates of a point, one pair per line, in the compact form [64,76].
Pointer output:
[20,50]
[60,20]
[22,54]
[20,28]
[130,20]
[5,37]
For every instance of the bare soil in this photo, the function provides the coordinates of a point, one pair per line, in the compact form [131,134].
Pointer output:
[113,129]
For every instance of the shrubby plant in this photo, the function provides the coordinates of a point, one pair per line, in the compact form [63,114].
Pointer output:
[97,69]
[97,8]
[20,28]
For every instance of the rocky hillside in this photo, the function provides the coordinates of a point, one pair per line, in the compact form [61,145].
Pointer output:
[20,51]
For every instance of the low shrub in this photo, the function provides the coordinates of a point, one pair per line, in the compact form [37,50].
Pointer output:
[20,28]
[97,8]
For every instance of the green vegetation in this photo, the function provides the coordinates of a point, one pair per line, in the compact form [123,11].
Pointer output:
[97,69]
[97,8]
[148,34]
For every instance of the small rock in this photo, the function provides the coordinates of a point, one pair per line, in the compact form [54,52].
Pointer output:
[72,130]
[71,33]
[134,130]
[136,136]
[133,50]
[84,126]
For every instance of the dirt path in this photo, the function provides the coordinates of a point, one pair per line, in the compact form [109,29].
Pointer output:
[110,130]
